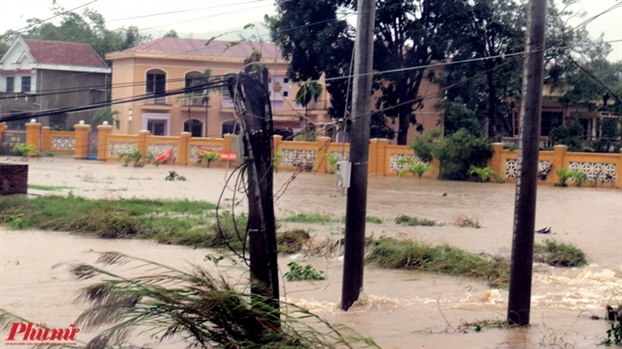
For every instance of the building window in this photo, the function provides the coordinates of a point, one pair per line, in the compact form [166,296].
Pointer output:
[10,84]
[25,83]
[285,80]
[285,93]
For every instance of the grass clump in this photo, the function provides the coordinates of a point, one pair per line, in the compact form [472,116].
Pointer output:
[168,221]
[391,253]
[47,187]
[559,254]
[374,219]
[292,241]
[414,221]
[309,218]
[205,310]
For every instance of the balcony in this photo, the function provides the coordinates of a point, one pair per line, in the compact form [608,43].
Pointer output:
[157,100]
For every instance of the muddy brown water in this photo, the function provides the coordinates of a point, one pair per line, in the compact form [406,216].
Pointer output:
[399,309]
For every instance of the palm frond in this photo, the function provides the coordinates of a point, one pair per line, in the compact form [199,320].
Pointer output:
[203,310]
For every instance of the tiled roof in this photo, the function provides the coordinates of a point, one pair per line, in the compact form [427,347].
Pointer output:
[215,48]
[64,53]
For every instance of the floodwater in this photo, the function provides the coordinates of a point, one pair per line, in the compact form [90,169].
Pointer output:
[399,309]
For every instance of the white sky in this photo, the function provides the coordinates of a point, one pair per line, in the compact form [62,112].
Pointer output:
[209,16]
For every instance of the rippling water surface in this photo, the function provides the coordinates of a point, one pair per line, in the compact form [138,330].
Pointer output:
[398,309]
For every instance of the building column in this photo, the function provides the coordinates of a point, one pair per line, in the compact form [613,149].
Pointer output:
[2,128]
[102,141]
[82,141]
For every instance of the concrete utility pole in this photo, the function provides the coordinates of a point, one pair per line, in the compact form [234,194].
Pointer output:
[526,185]
[250,92]
[359,155]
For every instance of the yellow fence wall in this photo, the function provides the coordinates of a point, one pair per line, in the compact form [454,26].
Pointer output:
[600,169]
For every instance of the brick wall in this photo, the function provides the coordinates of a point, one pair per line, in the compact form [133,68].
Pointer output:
[13,179]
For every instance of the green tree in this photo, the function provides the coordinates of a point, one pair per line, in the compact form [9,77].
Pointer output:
[308,91]
[171,34]
[88,28]
[478,92]
[411,34]
[105,115]
[316,42]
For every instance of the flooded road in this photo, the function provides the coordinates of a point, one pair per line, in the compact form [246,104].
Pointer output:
[400,309]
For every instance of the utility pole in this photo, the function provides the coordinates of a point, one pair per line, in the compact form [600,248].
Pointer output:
[356,205]
[251,98]
[526,185]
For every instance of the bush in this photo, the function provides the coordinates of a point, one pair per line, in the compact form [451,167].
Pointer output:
[458,152]
[423,145]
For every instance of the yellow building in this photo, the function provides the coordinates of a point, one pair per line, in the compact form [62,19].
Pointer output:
[167,64]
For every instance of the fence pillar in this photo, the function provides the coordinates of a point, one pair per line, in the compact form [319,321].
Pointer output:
[320,156]
[378,156]
[559,152]
[82,141]
[33,134]
[143,145]
[226,142]
[183,150]
[103,131]
[2,128]
[46,138]
[495,163]
[277,141]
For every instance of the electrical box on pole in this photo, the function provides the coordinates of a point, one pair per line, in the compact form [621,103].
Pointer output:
[343,170]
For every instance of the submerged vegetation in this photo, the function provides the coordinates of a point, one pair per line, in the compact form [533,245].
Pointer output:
[414,221]
[391,253]
[559,254]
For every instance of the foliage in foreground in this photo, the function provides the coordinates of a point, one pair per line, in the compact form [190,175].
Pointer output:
[559,254]
[203,310]
[413,255]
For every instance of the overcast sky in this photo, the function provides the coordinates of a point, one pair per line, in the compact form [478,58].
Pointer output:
[209,16]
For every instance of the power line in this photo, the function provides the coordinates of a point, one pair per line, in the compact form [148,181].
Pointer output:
[182,11]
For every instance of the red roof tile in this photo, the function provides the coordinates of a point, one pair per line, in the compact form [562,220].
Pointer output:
[65,53]
[215,48]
